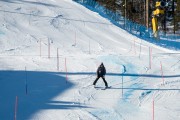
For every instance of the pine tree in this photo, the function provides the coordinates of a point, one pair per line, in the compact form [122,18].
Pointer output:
[135,11]
[177,16]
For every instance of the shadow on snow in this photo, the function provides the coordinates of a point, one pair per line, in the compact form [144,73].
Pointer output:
[155,89]
[42,88]
[121,74]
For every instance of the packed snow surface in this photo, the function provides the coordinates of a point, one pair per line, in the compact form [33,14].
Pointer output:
[49,53]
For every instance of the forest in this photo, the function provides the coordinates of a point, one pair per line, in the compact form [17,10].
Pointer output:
[136,11]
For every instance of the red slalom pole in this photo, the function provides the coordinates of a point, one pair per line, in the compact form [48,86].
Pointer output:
[16,106]
[153,109]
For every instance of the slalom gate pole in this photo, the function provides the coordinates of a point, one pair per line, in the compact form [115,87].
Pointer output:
[16,106]
[48,48]
[40,47]
[66,70]
[75,38]
[123,71]
[162,72]
[122,85]
[153,109]
[89,47]
[26,81]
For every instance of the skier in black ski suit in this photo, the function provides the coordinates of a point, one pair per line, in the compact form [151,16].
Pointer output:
[101,71]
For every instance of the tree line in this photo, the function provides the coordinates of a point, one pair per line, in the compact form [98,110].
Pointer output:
[135,10]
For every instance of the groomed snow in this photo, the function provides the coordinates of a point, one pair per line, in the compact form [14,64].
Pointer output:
[36,85]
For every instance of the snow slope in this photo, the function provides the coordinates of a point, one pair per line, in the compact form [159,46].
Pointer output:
[36,85]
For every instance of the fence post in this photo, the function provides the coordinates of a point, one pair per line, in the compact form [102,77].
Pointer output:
[48,48]
[153,109]
[123,71]
[66,70]
[75,39]
[26,81]
[89,47]
[162,72]
[40,47]
[57,59]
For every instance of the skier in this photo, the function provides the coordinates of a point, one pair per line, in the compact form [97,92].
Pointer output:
[101,71]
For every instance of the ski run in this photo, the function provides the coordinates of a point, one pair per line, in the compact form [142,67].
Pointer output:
[50,51]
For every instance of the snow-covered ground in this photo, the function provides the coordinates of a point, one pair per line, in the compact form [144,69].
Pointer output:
[35,84]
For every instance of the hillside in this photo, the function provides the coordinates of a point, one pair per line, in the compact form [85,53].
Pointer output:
[49,53]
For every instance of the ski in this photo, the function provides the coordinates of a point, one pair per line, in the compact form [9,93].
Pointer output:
[101,88]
